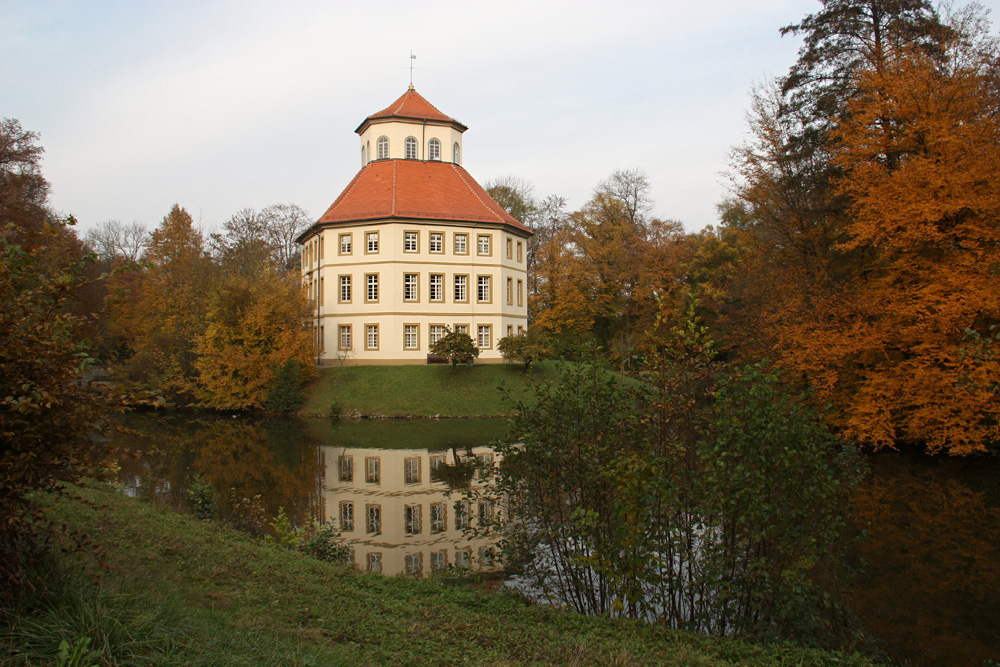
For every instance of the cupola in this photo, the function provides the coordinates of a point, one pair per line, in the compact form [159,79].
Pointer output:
[411,128]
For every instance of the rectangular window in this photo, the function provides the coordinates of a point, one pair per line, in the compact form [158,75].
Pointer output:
[483,244]
[411,519]
[371,336]
[462,557]
[439,560]
[520,247]
[373,520]
[487,557]
[520,292]
[437,287]
[437,242]
[510,329]
[510,248]
[345,289]
[321,239]
[346,516]
[461,244]
[483,294]
[413,563]
[321,290]
[371,287]
[438,518]
[345,244]
[373,470]
[411,339]
[462,288]
[346,468]
[374,561]
[462,328]
[462,511]
[411,242]
[371,242]
[411,470]
[484,336]
[436,462]
[510,291]
[520,329]
[436,333]
[485,513]
[345,336]
[410,291]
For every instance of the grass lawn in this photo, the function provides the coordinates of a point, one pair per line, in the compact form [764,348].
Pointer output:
[178,591]
[423,391]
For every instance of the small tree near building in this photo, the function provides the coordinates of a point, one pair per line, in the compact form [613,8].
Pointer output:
[455,346]
[525,347]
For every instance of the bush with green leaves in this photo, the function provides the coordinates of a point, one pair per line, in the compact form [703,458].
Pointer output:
[323,542]
[704,497]
[285,393]
[526,347]
[455,346]
[202,498]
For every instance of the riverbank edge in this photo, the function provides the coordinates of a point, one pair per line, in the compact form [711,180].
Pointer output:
[238,600]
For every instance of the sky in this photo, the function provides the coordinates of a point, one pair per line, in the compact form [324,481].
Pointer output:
[223,105]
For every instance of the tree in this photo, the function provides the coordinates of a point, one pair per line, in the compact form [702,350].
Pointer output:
[254,330]
[51,419]
[525,347]
[282,225]
[455,346]
[515,195]
[919,148]
[114,241]
[159,311]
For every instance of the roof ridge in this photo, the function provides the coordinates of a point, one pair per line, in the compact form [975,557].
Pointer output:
[347,190]
[473,191]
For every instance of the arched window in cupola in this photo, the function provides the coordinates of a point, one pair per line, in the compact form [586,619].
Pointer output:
[456,154]
[434,149]
[411,148]
[383,147]
[364,157]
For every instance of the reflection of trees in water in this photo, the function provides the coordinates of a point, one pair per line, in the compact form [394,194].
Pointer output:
[932,578]
[240,459]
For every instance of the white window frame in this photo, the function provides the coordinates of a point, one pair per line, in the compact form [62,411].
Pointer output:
[411,241]
[484,289]
[434,149]
[411,287]
[411,337]
[436,243]
[461,243]
[371,337]
[346,241]
[483,245]
[461,291]
[373,519]
[344,342]
[371,243]
[410,148]
[344,293]
[382,145]
[373,470]
[436,288]
[411,470]
[371,288]
[435,332]
[484,332]
[346,515]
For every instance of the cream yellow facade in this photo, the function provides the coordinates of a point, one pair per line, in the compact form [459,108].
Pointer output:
[444,256]
[398,517]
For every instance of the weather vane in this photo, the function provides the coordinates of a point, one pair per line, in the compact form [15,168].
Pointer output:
[412,58]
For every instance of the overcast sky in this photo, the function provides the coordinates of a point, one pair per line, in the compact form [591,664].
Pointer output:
[222,105]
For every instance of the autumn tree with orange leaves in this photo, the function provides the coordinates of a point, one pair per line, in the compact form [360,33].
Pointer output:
[872,259]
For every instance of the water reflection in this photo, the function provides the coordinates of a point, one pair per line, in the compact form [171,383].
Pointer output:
[403,510]
[403,494]
[930,587]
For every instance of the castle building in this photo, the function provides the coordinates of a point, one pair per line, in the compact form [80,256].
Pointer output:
[413,246]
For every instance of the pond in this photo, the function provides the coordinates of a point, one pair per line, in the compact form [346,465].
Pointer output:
[928,591]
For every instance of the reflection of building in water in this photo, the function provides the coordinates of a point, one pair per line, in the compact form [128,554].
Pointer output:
[393,507]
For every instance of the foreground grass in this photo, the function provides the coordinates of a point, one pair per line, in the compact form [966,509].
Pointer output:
[184,592]
[423,391]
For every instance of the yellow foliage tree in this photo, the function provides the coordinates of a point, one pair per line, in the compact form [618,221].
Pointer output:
[255,325]
[895,350]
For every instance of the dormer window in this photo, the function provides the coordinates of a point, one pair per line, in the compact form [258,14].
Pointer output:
[411,148]
[434,149]
[383,147]
[456,154]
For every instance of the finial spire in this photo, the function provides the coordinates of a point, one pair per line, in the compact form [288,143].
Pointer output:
[412,58]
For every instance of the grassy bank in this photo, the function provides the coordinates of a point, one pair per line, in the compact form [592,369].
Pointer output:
[184,592]
[422,391]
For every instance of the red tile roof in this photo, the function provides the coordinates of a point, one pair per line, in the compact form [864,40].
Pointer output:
[414,189]
[411,104]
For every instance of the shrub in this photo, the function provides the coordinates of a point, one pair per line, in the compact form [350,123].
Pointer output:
[285,393]
[455,347]
[323,542]
[202,499]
